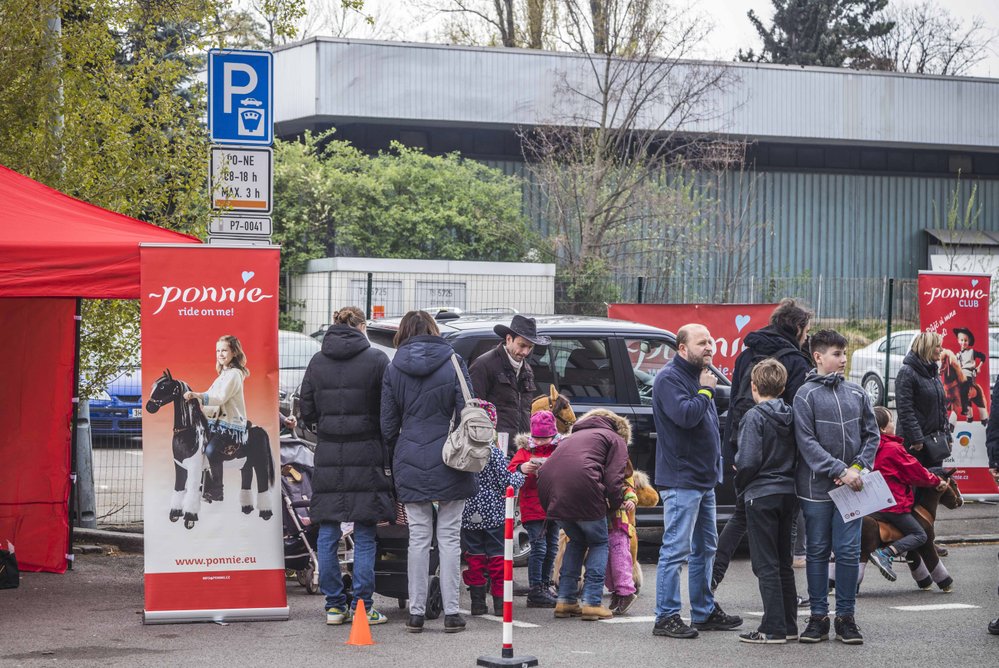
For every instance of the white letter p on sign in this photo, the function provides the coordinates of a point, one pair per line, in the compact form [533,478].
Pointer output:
[229,90]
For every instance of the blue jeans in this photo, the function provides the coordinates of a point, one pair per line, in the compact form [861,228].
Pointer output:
[544,546]
[826,533]
[583,535]
[689,534]
[330,581]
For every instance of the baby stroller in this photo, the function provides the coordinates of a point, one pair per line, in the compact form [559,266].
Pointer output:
[300,534]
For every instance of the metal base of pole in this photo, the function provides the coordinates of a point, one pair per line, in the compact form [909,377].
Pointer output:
[500,661]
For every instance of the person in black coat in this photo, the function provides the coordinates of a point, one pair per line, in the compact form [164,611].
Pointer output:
[341,395]
[504,377]
[919,397]
[992,437]
[421,402]
[782,340]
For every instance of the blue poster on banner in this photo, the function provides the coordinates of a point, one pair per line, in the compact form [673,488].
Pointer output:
[241,96]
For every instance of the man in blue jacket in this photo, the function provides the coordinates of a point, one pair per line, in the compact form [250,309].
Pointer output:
[688,466]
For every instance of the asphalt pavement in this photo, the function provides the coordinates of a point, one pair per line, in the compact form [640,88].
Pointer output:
[91,616]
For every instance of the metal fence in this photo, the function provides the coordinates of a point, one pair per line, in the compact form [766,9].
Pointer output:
[309,300]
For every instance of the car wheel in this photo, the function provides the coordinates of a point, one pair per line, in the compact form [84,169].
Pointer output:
[521,540]
[875,388]
[521,546]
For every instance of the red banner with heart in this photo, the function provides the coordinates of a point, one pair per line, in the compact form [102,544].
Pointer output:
[957,307]
[211,488]
[728,323]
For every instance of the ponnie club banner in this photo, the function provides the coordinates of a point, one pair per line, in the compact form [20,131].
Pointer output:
[957,307]
[211,490]
[728,323]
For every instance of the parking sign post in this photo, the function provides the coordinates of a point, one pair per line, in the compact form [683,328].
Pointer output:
[240,117]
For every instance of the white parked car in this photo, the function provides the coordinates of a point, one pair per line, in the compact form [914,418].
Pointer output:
[867,365]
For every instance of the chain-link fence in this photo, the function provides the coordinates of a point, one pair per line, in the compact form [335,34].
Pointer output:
[310,299]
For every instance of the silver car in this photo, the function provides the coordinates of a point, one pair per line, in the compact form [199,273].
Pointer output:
[295,350]
[867,365]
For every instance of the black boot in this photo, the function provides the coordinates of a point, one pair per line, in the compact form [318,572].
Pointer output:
[540,598]
[498,606]
[478,595]
[454,623]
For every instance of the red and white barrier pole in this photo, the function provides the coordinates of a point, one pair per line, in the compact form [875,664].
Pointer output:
[507,658]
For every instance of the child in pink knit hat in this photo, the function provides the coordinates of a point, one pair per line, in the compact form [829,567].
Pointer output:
[532,451]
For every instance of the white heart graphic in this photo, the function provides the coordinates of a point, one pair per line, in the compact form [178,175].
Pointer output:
[741,321]
[974,282]
[247,275]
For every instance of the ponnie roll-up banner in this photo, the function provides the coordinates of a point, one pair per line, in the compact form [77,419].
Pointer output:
[728,323]
[957,307]
[211,490]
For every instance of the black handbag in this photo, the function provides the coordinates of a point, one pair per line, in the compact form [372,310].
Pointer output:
[10,577]
[936,446]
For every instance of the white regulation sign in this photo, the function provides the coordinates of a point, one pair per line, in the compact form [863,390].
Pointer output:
[241,179]
[240,226]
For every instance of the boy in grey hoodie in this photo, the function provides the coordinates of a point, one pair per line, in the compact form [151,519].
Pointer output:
[764,477]
[837,437]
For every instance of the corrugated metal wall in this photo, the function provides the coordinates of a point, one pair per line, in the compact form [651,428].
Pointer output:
[841,232]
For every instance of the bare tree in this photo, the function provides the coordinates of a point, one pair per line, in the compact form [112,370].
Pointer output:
[928,39]
[735,227]
[335,18]
[633,111]
[511,23]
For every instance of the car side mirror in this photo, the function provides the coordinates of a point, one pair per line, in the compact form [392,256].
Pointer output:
[723,396]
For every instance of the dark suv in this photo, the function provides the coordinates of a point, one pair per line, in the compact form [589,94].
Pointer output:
[595,363]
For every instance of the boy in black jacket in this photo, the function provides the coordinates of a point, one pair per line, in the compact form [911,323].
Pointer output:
[764,477]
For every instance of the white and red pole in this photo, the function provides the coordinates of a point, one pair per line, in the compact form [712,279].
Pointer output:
[507,658]
[508,577]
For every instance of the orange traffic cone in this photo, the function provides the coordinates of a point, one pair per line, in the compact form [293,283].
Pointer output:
[360,632]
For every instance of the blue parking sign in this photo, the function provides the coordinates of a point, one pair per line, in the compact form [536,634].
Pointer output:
[241,96]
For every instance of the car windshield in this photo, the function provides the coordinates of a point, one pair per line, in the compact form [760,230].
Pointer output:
[296,350]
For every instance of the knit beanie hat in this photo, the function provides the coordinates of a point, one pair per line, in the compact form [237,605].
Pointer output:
[543,425]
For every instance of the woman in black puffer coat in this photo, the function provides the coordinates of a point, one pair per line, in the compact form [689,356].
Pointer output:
[341,394]
[919,396]
[420,397]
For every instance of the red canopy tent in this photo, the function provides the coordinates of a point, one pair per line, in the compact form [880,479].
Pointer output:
[54,250]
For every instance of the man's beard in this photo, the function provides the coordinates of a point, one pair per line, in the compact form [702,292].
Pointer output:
[699,362]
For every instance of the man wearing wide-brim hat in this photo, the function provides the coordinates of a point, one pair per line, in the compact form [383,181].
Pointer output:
[503,377]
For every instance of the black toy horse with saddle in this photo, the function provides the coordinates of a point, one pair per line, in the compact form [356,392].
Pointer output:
[191,431]
[924,563]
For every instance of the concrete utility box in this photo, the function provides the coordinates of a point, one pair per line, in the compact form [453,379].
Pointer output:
[398,286]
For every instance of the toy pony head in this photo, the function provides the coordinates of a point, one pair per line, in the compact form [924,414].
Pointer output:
[951,497]
[565,417]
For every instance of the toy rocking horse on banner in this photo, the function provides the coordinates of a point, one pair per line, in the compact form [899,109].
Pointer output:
[190,434]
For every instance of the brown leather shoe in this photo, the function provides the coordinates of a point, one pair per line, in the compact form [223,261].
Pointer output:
[592,613]
[563,610]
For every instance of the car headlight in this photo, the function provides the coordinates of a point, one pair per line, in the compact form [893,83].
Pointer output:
[282,394]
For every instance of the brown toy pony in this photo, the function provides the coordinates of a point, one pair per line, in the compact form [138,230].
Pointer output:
[565,417]
[924,564]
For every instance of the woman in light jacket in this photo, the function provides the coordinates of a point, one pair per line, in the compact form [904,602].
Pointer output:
[421,401]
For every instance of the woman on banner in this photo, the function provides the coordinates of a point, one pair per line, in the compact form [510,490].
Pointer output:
[421,395]
[341,396]
[225,410]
